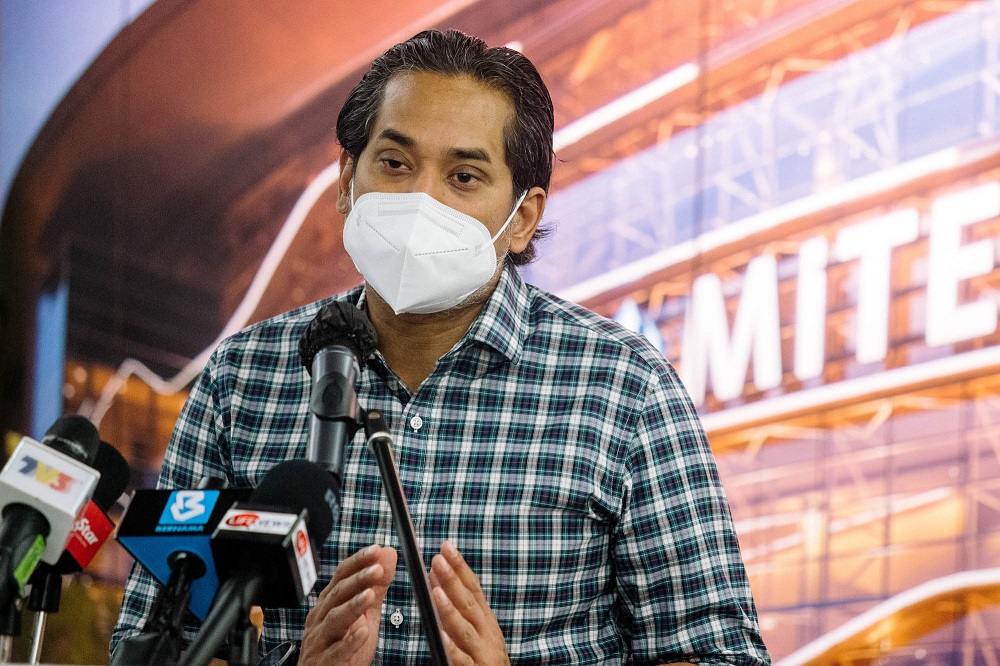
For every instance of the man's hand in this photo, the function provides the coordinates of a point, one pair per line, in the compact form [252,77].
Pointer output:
[469,627]
[342,628]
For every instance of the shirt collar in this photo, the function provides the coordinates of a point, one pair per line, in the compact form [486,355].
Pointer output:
[503,323]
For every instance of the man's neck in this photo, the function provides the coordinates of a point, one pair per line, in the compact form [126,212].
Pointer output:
[411,344]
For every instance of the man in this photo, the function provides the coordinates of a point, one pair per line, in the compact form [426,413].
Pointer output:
[555,467]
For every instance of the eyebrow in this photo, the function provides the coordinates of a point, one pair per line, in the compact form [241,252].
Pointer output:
[406,141]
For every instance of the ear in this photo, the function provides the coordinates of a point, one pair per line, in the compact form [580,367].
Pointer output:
[344,183]
[526,219]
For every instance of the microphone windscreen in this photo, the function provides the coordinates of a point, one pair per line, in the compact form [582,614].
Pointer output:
[115,475]
[75,436]
[338,323]
[93,528]
[297,485]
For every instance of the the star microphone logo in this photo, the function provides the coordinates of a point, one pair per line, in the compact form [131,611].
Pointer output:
[83,529]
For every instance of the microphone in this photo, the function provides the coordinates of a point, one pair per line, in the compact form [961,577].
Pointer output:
[90,531]
[265,551]
[44,488]
[75,436]
[94,527]
[159,524]
[333,348]
[47,483]
[191,580]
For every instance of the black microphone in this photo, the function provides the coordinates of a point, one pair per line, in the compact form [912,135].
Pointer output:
[75,436]
[159,524]
[333,348]
[94,527]
[43,489]
[265,550]
[90,531]
[187,561]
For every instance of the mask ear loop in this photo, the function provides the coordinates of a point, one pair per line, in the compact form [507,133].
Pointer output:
[504,226]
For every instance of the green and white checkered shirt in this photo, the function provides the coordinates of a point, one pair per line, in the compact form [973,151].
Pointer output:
[558,451]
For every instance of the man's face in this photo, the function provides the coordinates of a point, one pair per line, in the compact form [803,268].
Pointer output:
[442,135]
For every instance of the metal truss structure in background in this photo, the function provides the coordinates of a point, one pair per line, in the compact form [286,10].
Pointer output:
[863,108]
[840,511]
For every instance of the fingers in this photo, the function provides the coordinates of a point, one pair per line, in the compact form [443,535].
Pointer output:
[373,566]
[456,657]
[457,587]
[460,637]
[359,584]
[356,647]
[462,569]
[360,560]
[471,632]
[343,625]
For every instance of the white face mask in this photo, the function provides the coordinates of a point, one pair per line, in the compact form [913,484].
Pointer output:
[420,255]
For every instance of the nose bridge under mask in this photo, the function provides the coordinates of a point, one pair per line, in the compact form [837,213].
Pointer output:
[459,216]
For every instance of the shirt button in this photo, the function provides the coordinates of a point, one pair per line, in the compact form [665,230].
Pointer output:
[416,423]
[396,618]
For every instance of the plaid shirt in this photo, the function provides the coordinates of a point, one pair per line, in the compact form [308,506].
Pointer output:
[558,451]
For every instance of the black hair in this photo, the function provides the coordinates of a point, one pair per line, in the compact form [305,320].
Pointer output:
[527,139]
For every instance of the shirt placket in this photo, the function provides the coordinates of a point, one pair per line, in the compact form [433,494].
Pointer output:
[400,620]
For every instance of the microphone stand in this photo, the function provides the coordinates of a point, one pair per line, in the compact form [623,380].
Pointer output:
[10,624]
[46,592]
[10,627]
[19,521]
[228,619]
[380,442]
[243,643]
[160,641]
[36,638]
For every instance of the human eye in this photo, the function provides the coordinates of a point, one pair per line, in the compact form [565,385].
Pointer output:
[392,164]
[391,161]
[466,179]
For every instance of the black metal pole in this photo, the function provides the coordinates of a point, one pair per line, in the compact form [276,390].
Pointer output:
[380,442]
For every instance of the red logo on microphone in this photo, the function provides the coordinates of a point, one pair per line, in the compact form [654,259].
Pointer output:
[90,531]
[243,520]
[301,543]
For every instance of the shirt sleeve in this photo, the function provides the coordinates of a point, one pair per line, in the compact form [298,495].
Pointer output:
[197,448]
[684,593]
